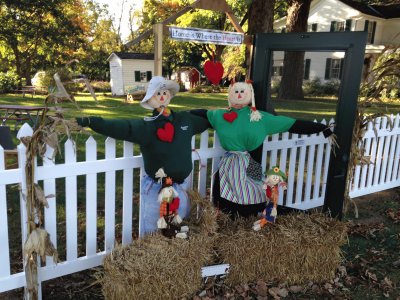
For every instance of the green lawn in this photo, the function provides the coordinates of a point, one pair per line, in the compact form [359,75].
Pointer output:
[114,107]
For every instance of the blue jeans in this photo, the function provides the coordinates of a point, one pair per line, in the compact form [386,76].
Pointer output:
[149,210]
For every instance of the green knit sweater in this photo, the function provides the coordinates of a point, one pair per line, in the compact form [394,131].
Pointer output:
[243,135]
[175,157]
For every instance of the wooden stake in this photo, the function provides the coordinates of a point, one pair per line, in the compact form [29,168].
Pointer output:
[158,38]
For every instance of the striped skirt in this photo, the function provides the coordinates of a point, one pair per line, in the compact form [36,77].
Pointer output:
[235,185]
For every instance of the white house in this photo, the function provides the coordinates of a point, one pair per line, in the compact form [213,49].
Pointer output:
[129,70]
[382,22]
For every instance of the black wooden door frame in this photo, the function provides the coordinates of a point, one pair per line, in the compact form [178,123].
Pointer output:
[353,44]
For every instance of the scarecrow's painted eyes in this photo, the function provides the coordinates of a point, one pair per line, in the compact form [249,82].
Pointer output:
[242,91]
[158,94]
[164,93]
[236,92]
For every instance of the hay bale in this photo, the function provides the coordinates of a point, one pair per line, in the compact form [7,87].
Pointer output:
[156,267]
[297,249]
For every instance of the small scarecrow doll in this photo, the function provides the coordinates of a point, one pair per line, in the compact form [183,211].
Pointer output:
[275,178]
[169,221]
[242,129]
[165,142]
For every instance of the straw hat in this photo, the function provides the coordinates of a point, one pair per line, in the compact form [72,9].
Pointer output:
[156,84]
[276,171]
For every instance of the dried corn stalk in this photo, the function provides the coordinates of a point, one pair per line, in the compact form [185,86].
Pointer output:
[38,241]
[383,77]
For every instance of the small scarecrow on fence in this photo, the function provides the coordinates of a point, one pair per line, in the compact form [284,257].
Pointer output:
[165,142]
[169,221]
[275,179]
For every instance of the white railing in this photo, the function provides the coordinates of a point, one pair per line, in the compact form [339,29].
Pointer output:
[305,158]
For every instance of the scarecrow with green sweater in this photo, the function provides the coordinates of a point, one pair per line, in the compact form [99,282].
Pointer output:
[165,142]
[238,187]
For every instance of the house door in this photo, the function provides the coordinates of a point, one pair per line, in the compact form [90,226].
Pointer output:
[330,59]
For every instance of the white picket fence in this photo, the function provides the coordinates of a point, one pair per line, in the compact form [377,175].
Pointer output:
[305,158]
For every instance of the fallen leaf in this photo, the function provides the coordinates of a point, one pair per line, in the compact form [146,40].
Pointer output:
[342,271]
[262,288]
[396,263]
[295,289]
[371,275]
[387,283]
[283,292]
[274,292]
[327,286]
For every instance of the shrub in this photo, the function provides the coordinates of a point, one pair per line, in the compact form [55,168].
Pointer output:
[196,89]
[316,88]
[206,89]
[275,84]
[99,86]
[8,81]
[331,87]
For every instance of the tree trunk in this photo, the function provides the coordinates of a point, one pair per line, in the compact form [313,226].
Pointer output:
[261,19]
[27,71]
[293,63]
[261,16]
[18,65]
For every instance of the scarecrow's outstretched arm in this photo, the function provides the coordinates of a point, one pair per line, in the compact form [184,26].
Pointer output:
[201,113]
[128,130]
[309,127]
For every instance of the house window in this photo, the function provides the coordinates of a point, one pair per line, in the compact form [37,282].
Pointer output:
[341,26]
[137,76]
[337,26]
[307,64]
[370,27]
[333,68]
[312,27]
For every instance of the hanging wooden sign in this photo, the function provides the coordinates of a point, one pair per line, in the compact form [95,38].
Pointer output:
[207,36]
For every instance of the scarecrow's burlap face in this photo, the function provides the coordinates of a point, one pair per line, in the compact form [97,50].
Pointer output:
[239,94]
[161,98]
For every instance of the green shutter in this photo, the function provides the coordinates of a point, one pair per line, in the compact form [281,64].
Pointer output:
[366,24]
[148,75]
[307,69]
[348,25]
[341,68]
[333,26]
[373,32]
[137,76]
[328,68]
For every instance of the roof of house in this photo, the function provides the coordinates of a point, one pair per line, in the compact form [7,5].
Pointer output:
[389,11]
[184,69]
[133,55]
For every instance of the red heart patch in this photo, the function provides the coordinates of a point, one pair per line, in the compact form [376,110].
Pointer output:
[230,116]
[166,134]
[214,71]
